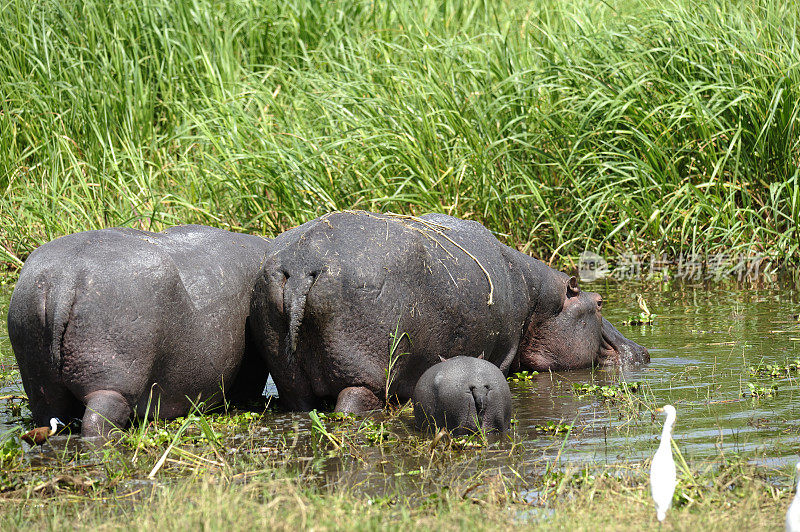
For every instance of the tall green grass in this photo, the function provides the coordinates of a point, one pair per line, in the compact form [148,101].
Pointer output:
[654,126]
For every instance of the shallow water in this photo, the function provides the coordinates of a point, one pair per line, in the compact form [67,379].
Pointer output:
[702,342]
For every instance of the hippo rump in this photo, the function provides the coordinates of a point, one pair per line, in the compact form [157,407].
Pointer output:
[336,292]
[118,322]
[463,394]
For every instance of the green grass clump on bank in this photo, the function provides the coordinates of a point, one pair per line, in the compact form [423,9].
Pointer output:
[731,498]
[280,504]
[647,126]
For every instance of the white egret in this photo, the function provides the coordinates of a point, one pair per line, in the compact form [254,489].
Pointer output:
[663,477]
[793,514]
[39,435]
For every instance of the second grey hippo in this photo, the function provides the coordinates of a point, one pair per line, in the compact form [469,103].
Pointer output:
[110,323]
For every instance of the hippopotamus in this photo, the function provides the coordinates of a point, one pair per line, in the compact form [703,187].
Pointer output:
[463,394]
[354,306]
[112,323]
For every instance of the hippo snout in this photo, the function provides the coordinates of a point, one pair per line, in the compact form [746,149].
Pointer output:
[632,353]
[616,349]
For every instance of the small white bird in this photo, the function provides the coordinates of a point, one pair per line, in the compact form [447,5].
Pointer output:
[663,477]
[793,514]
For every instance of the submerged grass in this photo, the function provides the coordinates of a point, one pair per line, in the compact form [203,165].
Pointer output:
[651,126]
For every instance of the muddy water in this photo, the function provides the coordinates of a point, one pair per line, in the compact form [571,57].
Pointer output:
[703,341]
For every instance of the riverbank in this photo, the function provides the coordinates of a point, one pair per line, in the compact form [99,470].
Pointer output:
[286,505]
[216,492]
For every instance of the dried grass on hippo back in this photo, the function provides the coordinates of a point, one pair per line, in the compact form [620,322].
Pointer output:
[428,226]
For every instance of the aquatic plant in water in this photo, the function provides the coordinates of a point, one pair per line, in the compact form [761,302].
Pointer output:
[776,370]
[553,428]
[757,391]
[645,317]
[525,377]
[10,448]
[608,392]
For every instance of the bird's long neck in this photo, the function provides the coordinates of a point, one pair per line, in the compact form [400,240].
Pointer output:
[666,432]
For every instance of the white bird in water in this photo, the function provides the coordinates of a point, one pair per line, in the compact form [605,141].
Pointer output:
[40,434]
[663,477]
[793,515]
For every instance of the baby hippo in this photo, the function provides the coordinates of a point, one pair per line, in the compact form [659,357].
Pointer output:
[463,394]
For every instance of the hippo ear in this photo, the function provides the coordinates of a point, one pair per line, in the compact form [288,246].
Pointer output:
[482,355]
[572,287]
[441,358]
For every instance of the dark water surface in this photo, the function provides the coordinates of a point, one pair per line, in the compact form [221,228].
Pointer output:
[702,343]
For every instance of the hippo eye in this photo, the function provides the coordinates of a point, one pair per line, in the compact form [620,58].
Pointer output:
[572,287]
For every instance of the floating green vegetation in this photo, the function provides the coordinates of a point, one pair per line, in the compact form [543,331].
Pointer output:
[11,402]
[156,436]
[641,319]
[522,376]
[196,429]
[237,419]
[469,441]
[553,428]
[14,404]
[775,370]
[607,392]
[10,447]
[758,391]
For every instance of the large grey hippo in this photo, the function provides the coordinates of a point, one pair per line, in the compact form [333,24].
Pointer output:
[108,323]
[463,394]
[336,291]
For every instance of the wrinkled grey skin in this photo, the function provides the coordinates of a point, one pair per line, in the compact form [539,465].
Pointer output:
[100,320]
[463,394]
[335,289]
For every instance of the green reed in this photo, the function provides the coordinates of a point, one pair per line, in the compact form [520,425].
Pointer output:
[656,126]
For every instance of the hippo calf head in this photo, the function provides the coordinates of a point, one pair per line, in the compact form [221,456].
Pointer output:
[576,335]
